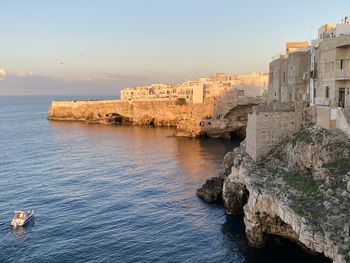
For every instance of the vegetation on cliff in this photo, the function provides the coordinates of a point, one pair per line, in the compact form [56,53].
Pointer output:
[300,191]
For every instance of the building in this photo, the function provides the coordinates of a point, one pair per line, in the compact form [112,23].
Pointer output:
[316,76]
[137,93]
[197,91]
[330,66]
[288,80]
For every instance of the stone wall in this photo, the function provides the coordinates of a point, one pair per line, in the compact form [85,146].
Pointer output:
[333,117]
[326,117]
[266,130]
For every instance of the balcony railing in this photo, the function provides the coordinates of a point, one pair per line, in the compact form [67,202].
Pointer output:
[343,74]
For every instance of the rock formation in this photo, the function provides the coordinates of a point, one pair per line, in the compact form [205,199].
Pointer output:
[191,120]
[211,191]
[230,115]
[298,192]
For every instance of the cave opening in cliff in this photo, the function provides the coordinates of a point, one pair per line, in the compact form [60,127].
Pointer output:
[280,247]
[115,118]
[234,136]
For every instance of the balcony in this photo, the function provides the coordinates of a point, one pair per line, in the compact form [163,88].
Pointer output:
[343,74]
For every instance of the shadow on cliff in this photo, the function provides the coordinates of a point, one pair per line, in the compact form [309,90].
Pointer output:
[230,115]
[275,250]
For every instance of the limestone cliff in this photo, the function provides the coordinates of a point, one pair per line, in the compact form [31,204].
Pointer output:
[191,120]
[231,115]
[299,191]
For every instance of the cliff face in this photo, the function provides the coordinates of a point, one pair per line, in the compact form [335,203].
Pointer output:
[298,192]
[186,117]
[231,115]
[189,119]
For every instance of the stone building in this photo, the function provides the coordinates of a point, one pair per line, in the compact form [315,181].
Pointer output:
[197,91]
[162,91]
[253,84]
[138,93]
[269,125]
[287,80]
[330,66]
[329,87]
[316,76]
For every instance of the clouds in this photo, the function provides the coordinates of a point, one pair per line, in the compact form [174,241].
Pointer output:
[112,77]
[25,74]
[30,83]
[3,73]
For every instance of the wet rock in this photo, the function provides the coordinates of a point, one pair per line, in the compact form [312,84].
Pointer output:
[211,191]
[235,196]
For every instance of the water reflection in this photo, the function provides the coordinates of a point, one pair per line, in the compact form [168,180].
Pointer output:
[197,155]
[20,232]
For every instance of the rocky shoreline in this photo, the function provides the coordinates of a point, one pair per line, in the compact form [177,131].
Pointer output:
[224,117]
[300,191]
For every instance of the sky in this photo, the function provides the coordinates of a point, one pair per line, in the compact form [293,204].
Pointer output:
[97,47]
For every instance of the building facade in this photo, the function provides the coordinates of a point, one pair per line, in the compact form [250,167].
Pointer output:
[197,91]
[330,66]
[288,81]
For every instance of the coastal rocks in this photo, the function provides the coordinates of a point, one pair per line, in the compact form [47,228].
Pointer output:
[299,192]
[189,127]
[235,196]
[314,148]
[211,191]
[228,114]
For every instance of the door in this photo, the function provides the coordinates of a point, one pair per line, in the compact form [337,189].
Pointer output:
[341,101]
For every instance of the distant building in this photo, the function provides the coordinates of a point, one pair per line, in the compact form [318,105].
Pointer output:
[162,91]
[196,91]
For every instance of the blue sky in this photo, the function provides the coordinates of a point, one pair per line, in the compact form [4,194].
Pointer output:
[85,46]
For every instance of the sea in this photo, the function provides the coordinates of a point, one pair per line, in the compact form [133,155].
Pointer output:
[108,193]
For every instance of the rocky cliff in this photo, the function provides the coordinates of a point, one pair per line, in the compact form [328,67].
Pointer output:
[230,115]
[191,120]
[301,191]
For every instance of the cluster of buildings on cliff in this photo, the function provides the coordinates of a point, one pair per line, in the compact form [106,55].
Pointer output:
[308,81]
[197,91]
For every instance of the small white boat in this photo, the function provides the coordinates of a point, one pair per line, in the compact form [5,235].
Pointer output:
[21,218]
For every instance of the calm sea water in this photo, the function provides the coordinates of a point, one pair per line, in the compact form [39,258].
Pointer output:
[114,194]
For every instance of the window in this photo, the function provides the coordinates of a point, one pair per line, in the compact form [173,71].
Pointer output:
[327,92]
[284,76]
[314,93]
[347,91]
[341,63]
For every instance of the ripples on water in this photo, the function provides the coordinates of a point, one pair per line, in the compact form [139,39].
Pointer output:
[113,194]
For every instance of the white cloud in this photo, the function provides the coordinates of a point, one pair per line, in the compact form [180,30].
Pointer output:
[25,74]
[111,77]
[3,73]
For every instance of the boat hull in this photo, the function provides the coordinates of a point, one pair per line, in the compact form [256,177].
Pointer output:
[21,222]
